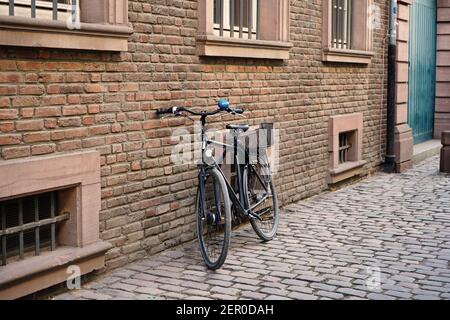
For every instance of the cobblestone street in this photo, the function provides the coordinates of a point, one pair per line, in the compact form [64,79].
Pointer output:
[387,237]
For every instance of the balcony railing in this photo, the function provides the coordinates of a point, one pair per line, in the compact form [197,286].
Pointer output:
[344,146]
[28,223]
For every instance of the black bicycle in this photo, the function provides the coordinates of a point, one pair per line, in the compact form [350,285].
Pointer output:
[249,195]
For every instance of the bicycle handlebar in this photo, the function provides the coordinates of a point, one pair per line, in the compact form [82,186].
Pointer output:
[176,110]
[238,111]
[166,111]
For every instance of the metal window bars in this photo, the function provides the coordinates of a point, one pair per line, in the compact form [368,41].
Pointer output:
[28,222]
[344,146]
[341,24]
[43,9]
[237,18]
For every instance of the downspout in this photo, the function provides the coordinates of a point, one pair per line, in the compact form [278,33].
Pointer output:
[389,165]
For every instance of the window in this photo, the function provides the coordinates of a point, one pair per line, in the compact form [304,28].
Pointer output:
[341,25]
[68,24]
[347,26]
[28,226]
[236,18]
[232,28]
[39,9]
[345,147]
[49,220]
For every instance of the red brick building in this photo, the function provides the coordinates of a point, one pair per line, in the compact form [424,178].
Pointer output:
[80,141]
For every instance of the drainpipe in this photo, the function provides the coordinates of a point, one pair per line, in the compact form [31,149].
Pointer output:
[389,165]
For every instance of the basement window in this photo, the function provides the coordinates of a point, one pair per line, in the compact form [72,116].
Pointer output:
[29,226]
[49,220]
[345,146]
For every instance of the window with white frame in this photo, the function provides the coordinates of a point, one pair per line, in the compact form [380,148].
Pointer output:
[236,18]
[347,31]
[244,28]
[67,24]
[341,24]
[39,9]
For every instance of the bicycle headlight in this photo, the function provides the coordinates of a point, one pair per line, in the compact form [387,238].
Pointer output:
[209,153]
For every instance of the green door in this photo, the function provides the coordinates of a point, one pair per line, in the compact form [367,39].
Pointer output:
[422,69]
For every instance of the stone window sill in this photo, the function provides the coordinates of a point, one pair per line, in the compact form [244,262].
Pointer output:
[347,56]
[215,46]
[50,268]
[346,170]
[21,31]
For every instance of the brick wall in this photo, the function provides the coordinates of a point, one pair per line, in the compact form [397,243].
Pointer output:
[54,101]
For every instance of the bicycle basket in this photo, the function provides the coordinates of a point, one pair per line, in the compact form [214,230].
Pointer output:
[257,141]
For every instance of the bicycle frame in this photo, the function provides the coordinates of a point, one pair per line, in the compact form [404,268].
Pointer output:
[237,200]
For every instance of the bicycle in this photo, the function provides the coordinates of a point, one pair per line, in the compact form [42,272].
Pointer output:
[254,197]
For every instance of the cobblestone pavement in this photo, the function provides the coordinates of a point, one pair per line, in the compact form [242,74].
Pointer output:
[387,237]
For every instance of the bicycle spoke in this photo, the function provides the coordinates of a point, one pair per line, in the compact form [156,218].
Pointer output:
[262,197]
[214,227]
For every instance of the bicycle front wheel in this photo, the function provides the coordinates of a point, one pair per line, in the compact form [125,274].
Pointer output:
[214,221]
[260,194]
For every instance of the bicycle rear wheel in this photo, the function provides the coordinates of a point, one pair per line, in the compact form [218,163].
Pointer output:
[214,223]
[260,192]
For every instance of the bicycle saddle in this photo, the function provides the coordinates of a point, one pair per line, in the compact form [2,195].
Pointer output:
[243,127]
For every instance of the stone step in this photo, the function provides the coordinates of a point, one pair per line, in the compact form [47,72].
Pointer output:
[425,150]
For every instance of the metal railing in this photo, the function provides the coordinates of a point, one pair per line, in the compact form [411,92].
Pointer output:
[341,23]
[237,18]
[45,9]
[344,146]
[24,221]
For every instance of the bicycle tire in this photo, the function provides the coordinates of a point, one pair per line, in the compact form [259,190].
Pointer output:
[247,181]
[220,187]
